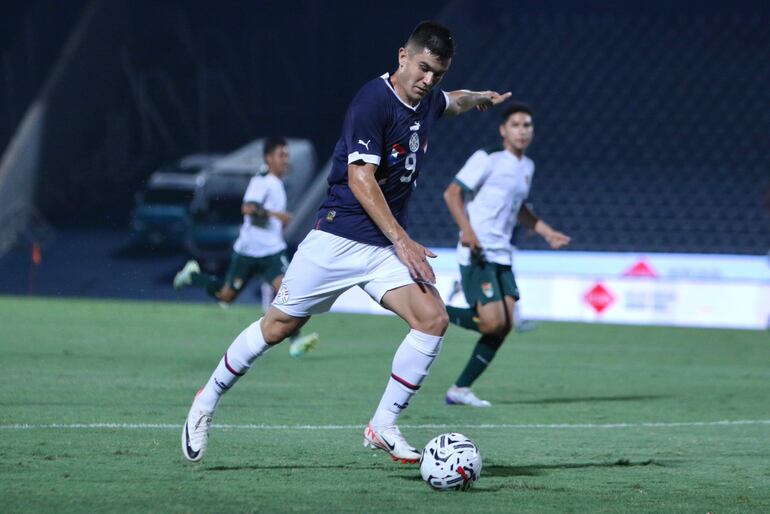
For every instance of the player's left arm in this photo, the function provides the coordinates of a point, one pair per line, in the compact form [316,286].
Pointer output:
[282,216]
[368,193]
[462,100]
[554,238]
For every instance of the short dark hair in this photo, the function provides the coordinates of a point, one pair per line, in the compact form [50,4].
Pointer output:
[433,37]
[271,143]
[515,107]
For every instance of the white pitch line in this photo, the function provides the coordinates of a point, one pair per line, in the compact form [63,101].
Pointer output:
[538,426]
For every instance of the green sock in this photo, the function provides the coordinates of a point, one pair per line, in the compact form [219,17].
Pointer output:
[466,318]
[210,283]
[482,355]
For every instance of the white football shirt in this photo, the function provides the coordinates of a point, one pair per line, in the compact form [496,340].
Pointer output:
[255,241]
[496,184]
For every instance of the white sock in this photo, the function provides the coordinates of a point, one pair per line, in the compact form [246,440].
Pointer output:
[410,366]
[247,347]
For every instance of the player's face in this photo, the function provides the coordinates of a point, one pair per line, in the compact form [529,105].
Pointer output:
[517,131]
[278,160]
[419,72]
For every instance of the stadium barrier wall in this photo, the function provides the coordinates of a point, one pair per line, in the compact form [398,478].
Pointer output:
[696,290]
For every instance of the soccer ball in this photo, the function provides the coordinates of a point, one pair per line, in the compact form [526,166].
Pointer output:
[450,461]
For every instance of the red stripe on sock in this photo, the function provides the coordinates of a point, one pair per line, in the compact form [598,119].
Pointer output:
[404,382]
[230,368]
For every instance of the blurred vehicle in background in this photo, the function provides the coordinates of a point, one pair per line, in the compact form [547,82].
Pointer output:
[161,214]
[215,209]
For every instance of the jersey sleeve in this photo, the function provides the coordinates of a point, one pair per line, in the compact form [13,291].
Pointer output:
[364,128]
[276,197]
[474,172]
[439,103]
[443,102]
[255,192]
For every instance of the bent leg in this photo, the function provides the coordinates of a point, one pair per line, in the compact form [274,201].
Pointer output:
[211,283]
[250,344]
[495,321]
[495,317]
[421,307]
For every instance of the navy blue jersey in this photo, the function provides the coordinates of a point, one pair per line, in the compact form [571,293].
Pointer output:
[379,129]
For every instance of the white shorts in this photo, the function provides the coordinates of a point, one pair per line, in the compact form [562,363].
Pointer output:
[325,266]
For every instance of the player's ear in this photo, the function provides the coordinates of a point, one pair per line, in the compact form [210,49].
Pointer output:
[501,128]
[403,55]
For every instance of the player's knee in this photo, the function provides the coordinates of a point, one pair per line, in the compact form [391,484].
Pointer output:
[494,326]
[274,332]
[442,320]
[434,322]
[276,329]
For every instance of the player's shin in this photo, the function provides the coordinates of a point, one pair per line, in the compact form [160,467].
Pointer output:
[482,355]
[410,366]
[247,347]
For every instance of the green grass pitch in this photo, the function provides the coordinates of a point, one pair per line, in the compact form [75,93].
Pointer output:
[586,418]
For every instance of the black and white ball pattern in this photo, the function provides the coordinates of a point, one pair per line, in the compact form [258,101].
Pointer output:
[450,461]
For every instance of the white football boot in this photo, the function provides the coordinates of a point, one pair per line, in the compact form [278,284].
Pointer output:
[303,344]
[195,433]
[390,440]
[464,396]
[183,278]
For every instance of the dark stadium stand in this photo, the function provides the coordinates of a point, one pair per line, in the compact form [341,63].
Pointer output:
[651,131]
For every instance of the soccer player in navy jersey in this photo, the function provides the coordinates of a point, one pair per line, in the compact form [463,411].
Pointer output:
[360,239]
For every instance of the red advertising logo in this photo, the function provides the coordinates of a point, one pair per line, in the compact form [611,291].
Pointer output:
[640,269]
[599,298]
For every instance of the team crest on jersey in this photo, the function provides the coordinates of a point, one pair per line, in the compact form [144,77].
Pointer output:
[283,295]
[237,283]
[487,289]
[414,142]
[331,215]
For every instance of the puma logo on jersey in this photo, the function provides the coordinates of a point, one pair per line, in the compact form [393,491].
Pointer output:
[415,127]
[361,142]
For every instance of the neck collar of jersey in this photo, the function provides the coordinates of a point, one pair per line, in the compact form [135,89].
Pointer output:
[385,77]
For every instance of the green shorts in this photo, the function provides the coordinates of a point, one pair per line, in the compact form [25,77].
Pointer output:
[243,268]
[488,282]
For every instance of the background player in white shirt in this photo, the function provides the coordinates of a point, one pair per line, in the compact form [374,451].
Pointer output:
[260,249]
[486,199]
[360,239]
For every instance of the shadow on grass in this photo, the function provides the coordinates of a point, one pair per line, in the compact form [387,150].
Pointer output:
[497,470]
[500,470]
[546,401]
[412,474]
[294,467]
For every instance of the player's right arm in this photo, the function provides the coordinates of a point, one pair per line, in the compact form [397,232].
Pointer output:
[470,178]
[463,100]
[453,196]
[368,193]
